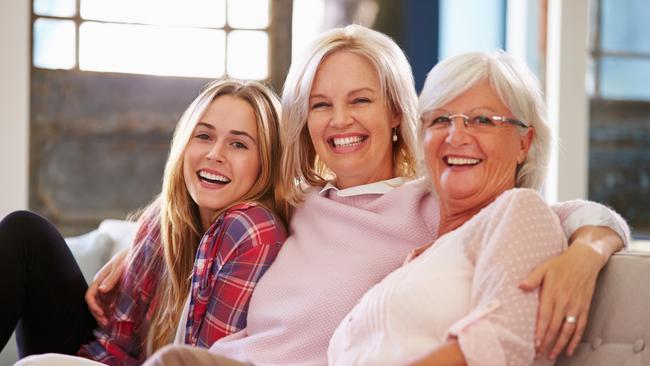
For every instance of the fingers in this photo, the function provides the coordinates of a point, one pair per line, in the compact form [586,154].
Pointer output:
[111,273]
[102,274]
[580,328]
[102,283]
[94,306]
[534,279]
[544,315]
[567,330]
[555,323]
[111,279]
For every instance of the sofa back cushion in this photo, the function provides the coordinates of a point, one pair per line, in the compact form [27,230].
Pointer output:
[618,332]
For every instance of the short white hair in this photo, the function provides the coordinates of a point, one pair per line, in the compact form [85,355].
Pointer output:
[517,88]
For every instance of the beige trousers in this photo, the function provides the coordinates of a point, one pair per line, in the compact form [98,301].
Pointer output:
[175,355]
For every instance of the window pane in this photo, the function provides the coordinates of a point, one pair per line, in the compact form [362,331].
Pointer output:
[251,14]
[55,8]
[54,44]
[248,53]
[155,50]
[200,13]
[625,78]
[625,25]
[307,22]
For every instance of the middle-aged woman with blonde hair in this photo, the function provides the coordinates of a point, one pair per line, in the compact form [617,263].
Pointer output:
[349,116]
[485,144]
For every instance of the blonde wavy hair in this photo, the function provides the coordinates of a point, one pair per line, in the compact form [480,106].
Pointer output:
[180,223]
[300,163]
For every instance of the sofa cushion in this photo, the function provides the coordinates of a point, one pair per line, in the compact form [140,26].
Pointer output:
[618,331]
[121,233]
[91,251]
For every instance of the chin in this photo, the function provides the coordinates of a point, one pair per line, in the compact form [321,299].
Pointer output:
[458,191]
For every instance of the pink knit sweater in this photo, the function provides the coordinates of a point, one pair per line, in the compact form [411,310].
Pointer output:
[338,248]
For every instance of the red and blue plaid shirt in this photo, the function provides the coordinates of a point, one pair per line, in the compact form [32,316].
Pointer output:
[232,256]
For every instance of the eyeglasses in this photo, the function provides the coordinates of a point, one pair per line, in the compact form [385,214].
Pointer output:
[478,122]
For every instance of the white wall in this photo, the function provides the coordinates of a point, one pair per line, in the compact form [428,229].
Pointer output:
[14,104]
[566,96]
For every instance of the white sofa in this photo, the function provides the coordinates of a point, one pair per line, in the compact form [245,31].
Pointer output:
[91,251]
[619,320]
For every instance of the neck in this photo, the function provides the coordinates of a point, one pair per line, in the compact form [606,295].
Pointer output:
[450,220]
[454,213]
[343,182]
[206,217]
[205,224]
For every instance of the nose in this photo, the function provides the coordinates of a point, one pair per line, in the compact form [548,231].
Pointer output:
[340,117]
[457,134]
[216,152]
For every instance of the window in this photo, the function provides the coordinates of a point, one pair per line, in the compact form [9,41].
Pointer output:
[620,50]
[619,153]
[196,38]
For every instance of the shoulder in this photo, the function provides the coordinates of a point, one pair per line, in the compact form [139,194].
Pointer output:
[147,240]
[253,220]
[251,212]
[516,204]
[520,197]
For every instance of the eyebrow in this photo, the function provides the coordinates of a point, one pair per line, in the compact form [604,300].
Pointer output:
[206,125]
[442,110]
[483,107]
[232,132]
[242,133]
[367,88]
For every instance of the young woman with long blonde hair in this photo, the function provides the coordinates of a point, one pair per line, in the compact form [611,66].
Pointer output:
[200,248]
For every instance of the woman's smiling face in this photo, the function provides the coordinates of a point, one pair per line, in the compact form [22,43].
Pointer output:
[471,168]
[221,161]
[349,120]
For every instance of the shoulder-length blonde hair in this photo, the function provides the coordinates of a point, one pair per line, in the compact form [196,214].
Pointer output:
[180,224]
[300,163]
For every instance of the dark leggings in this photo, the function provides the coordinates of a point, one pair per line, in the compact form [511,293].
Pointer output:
[41,288]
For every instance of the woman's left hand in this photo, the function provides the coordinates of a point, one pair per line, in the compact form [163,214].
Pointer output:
[567,286]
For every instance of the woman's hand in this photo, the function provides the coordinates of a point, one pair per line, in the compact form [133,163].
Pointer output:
[567,287]
[101,294]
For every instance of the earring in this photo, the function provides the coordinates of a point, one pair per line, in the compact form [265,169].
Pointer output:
[395,134]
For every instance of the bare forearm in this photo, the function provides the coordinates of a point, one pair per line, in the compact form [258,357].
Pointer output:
[602,240]
[448,354]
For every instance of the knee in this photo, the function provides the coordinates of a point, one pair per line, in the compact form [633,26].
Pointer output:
[17,229]
[20,219]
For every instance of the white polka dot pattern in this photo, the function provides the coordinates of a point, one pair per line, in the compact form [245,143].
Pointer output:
[464,286]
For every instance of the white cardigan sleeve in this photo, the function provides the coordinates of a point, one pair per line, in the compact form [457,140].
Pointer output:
[575,214]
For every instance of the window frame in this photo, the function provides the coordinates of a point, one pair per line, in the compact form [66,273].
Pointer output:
[278,31]
[597,53]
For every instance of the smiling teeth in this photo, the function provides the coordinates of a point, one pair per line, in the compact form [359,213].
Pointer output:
[462,161]
[210,176]
[347,141]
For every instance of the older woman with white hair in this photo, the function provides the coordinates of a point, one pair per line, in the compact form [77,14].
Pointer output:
[485,146]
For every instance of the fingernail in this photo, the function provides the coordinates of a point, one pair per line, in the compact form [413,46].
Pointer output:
[537,342]
[102,287]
